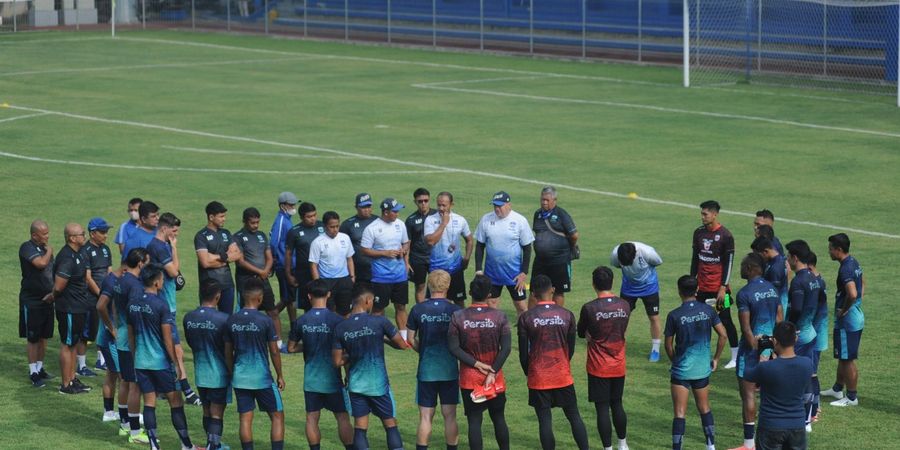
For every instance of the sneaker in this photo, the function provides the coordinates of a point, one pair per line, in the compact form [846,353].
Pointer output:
[79,385]
[110,416]
[193,399]
[731,365]
[36,380]
[654,356]
[808,428]
[140,438]
[44,375]
[85,372]
[68,390]
[832,393]
[845,402]
[100,366]
[124,429]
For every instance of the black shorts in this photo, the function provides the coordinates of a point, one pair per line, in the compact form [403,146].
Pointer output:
[605,390]
[563,397]
[428,392]
[457,291]
[91,324]
[560,275]
[35,322]
[341,294]
[517,296]
[126,366]
[497,403]
[285,290]
[70,327]
[651,303]
[396,293]
[219,396]
[691,384]
[301,293]
[268,303]
[336,402]
[419,272]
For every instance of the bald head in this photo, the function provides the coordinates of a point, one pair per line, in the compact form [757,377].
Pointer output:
[74,234]
[38,225]
[40,232]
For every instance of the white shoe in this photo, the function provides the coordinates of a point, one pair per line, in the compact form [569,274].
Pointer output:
[731,364]
[845,402]
[110,416]
[832,393]
[808,428]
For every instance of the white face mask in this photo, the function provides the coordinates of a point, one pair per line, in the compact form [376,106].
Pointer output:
[292,212]
[134,215]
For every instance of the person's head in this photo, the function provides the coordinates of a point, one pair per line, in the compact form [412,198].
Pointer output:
[687,287]
[784,335]
[501,204]
[752,266]
[444,202]
[363,204]
[308,214]
[548,198]
[252,293]
[480,288]
[423,199]
[602,278]
[390,209]
[148,214]
[40,232]
[134,206]
[318,292]
[764,247]
[813,260]
[838,246]
[137,258]
[74,235]
[542,288]
[210,292]
[250,218]
[764,217]
[709,212]
[798,254]
[287,202]
[626,253]
[98,229]
[438,283]
[169,225]
[152,276]
[765,231]
[363,298]
[216,214]
[332,222]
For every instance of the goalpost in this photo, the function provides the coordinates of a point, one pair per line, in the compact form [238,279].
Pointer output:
[840,45]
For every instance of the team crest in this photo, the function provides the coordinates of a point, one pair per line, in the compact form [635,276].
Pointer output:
[707,244]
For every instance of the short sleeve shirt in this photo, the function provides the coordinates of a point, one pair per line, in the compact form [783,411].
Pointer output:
[761,300]
[137,238]
[36,283]
[354,228]
[253,245]
[380,235]
[110,288]
[431,322]
[551,228]
[715,252]
[331,253]
[548,328]
[804,295]
[480,329]
[250,332]
[74,298]
[125,231]
[299,240]
[130,290]
[691,325]
[161,253]
[204,329]
[215,242]
[446,254]
[640,278]
[849,272]
[419,250]
[315,330]
[603,321]
[99,259]
[361,336]
[503,239]
[147,315]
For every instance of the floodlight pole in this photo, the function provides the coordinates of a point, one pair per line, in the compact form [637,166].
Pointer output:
[686,42]
[15,19]
[112,17]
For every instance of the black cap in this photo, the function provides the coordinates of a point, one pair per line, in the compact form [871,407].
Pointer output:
[363,199]
[501,198]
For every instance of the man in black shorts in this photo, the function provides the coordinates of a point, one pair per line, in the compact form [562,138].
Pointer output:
[296,250]
[638,262]
[256,262]
[555,244]
[419,250]
[36,316]
[99,259]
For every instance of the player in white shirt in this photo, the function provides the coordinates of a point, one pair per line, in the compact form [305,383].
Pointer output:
[443,230]
[638,262]
[331,259]
[385,241]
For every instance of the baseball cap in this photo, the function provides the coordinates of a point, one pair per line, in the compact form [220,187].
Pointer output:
[391,204]
[363,199]
[501,198]
[97,223]
[287,197]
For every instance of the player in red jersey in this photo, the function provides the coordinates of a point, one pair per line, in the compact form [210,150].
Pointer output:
[546,345]
[603,322]
[711,264]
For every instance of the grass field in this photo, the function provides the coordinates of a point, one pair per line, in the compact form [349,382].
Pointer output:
[89,122]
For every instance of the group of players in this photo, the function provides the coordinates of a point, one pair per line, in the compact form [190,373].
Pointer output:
[343,275]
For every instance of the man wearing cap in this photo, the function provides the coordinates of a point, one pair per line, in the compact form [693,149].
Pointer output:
[36,316]
[129,225]
[215,251]
[354,227]
[555,244]
[419,248]
[296,250]
[98,257]
[386,242]
[504,246]
[287,208]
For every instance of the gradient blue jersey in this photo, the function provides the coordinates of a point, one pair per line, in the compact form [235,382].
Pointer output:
[147,315]
[130,288]
[804,301]
[776,273]
[503,240]
[761,300]
[431,322]
[315,330]
[361,336]
[250,332]
[849,272]
[446,253]
[638,279]
[820,321]
[691,324]
[161,253]
[203,330]
[110,288]
[381,235]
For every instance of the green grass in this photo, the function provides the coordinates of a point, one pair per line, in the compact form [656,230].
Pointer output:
[578,125]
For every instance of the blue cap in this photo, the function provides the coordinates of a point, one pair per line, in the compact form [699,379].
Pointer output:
[97,223]
[501,198]
[363,199]
[391,204]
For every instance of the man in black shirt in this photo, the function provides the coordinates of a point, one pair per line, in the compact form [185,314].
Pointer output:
[256,262]
[215,251]
[296,249]
[35,315]
[419,250]
[555,239]
[354,227]
[98,258]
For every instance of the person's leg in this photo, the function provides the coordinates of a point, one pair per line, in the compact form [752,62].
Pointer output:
[497,412]
[426,415]
[246,429]
[179,420]
[577,425]
[313,435]
[277,434]
[701,396]
[474,420]
[394,441]
[748,410]
[451,428]
[651,307]
[400,316]
[604,425]
[680,396]
[360,428]
[520,299]
[545,427]
[345,428]
[400,297]
[150,418]
[731,331]
[215,426]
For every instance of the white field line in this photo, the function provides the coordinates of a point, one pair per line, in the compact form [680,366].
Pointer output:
[239,152]
[154,66]
[26,116]
[442,169]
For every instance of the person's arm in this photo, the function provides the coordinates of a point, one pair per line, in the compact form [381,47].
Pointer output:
[695,257]
[276,239]
[103,312]
[457,351]
[397,342]
[294,347]
[404,249]
[523,268]
[351,268]
[479,256]
[41,262]
[651,255]
[779,314]
[275,354]
[614,258]
[266,271]
[288,264]
[166,329]
[205,258]
[59,284]
[795,302]
[339,358]
[727,263]
[470,245]
[571,337]
[850,296]
[582,322]
[131,340]
[176,262]
[314,270]
[234,253]
[573,239]
[746,329]
[435,237]
[505,350]
[670,347]
[720,344]
[229,357]
[411,339]
[91,284]
[523,349]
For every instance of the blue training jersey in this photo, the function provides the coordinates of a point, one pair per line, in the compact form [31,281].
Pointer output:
[381,235]
[361,336]
[761,300]
[250,332]
[820,321]
[161,253]
[776,273]
[315,330]
[691,324]
[446,254]
[849,272]
[503,240]
[139,238]
[110,288]
[431,322]
[203,331]
[130,288]
[804,301]
[147,315]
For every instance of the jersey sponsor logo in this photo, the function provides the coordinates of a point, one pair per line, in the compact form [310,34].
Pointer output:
[702,316]
[619,313]
[815,284]
[764,295]
[548,321]
[250,327]
[356,225]
[365,331]
[443,317]
[205,325]
[302,233]
[709,259]
[486,323]
[245,239]
[323,328]
[707,244]
[145,309]
[105,252]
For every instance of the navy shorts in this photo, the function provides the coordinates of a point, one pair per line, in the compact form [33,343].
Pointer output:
[691,384]
[91,325]
[301,293]
[427,393]
[746,358]
[383,406]
[651,303]
[396,293]
[111,356]
[846,344]
[35,322]
[126,366]
[336,402]
[268,399]
[71,327]
[219,396]
[517,296]
[808,349]
[159,381]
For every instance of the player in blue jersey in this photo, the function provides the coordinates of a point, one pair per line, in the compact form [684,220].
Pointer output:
[443,231]
[130,288]
[638,262]
[803,298]
[129,225]
[776,268]
[438,373]
[688,329]
[150,337]
[820,323]
[359,345]
[764,226]
[848,320]
[203,330]
[313,334]
[148,218]
[107,346]
[250,340]
[759,309]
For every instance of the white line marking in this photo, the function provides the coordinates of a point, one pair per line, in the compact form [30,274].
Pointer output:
[42,41]
[153,66]
[239,152]
[26,116]
[442,169]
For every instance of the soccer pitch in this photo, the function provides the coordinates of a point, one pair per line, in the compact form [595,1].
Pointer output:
[88,122]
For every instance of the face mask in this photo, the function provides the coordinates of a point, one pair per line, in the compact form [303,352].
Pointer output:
[133,214]
[292,212]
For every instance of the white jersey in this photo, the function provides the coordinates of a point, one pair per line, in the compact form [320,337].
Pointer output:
[446,254]
[380,235]
[503,239]
[331,255]
[639,279]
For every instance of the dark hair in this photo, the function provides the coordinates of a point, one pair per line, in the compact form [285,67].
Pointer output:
[765,231]
[306,207]
[250,213]
[800,249]
[317,288]
[446,194]
[687,286]
[135,201]
[602,278]
[214,207]
[135,256]
[147,207]
[711,205]
[150,273]
[253,286]
[813,259]
[168,219]
[785,333]
[209,289]
[541,285]
[421,191]
[360,291]
[765,213]
[752,261]
[626,253]
[761,244]
[329,216]
[480,288]
[841,241]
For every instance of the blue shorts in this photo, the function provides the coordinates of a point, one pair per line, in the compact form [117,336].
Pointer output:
[126,366]
[747,357]
[268,399]
[427,393]
[219,396]
[159,381]
[111,356]
[691,384]
[846,344]
[336,402]
[808,349]
[383,406]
